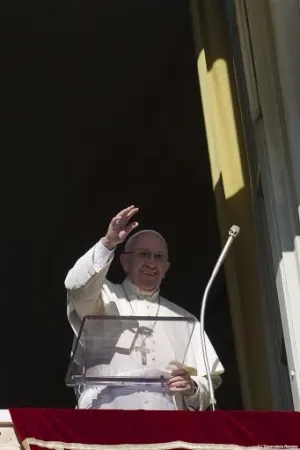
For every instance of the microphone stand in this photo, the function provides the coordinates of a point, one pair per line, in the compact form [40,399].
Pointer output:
[233,232]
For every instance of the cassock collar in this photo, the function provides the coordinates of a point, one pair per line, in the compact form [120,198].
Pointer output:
[133,292]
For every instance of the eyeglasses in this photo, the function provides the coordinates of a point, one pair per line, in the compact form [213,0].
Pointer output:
[147,255]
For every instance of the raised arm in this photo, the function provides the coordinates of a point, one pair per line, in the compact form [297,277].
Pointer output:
[84,281]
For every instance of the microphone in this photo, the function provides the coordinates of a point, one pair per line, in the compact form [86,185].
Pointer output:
[233,233]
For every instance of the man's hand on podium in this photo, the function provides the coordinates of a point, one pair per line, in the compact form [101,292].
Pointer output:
[180,381]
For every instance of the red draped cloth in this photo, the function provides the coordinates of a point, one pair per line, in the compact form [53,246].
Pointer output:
[106,429]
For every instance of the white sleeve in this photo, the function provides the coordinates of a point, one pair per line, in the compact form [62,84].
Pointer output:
[84,283]
[199,401]
[101,256]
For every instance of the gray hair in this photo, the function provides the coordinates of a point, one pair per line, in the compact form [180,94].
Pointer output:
[138,233]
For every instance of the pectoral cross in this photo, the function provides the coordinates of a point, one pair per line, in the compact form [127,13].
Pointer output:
[143,349]
[144,331]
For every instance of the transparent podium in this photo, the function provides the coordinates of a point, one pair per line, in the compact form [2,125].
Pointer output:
[118,356]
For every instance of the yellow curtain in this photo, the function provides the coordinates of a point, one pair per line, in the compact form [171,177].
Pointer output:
[231,184]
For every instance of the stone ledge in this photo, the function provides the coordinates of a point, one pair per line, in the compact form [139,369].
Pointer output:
[8,438]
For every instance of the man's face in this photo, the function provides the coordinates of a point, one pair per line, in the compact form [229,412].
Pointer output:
[147,263]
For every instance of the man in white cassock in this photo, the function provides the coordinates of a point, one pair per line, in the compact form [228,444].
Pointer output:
[145,263]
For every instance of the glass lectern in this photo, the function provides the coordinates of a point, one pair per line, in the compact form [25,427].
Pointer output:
[132,352]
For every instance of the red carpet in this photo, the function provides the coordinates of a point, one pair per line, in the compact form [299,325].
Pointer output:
[95,429]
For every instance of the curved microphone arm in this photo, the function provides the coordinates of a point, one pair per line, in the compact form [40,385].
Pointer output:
[233,232]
